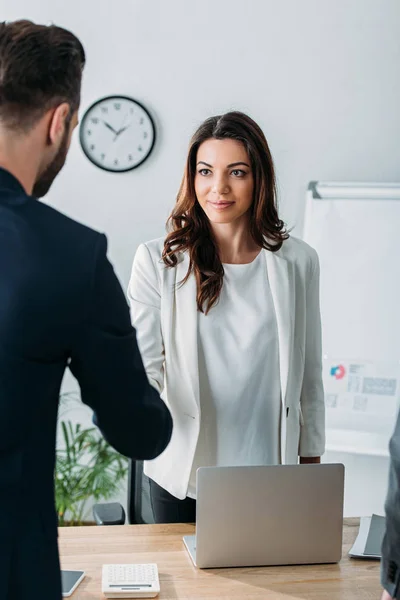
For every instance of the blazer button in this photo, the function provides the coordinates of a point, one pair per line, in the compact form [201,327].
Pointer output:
[392,571]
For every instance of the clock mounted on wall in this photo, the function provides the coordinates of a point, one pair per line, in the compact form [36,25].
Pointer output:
[117,133]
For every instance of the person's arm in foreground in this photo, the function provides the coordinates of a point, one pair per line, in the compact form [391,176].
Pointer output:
[107,364]
[390,566]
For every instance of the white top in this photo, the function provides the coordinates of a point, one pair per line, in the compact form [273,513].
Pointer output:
[240,394]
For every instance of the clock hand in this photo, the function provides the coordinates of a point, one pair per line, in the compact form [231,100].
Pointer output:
[123,129]
[109,127]
[117,133]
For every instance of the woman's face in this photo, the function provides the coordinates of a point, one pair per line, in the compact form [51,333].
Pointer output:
[224,180]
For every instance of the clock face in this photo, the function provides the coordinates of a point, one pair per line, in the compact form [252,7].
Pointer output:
[117,133]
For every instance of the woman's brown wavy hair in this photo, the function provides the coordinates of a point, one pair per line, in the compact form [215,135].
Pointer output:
[189,227]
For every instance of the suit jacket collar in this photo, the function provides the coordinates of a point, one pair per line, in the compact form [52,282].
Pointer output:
[10,184]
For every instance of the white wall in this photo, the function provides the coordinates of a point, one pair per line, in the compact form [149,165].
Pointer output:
[321,78]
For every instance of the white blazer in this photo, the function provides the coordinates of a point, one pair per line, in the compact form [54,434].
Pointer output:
[165,317]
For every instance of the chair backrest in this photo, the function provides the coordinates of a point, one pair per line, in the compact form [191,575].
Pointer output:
[139,504]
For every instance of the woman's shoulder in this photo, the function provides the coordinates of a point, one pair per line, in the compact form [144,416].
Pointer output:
[153,247]
[153,250]
[296,250]
[150,251]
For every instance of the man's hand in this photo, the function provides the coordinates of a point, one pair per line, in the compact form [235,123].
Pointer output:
[386,596]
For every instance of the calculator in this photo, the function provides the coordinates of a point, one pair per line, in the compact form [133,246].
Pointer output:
[130,581]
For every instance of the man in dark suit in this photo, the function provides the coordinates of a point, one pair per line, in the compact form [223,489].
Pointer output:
[60,304]
[390,569]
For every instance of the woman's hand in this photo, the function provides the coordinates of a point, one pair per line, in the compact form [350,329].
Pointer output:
[386,596]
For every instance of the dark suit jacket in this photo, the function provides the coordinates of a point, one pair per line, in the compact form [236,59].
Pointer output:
[60,304]
[390,566]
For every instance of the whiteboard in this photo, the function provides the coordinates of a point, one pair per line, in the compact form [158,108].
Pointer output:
[355,228]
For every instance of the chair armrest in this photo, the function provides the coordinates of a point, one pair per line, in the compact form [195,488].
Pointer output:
[109,514]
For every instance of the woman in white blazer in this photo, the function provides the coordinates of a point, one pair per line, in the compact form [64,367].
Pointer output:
[226,310]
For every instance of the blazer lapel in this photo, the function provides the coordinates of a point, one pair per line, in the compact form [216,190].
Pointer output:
[186,324]
[282,290]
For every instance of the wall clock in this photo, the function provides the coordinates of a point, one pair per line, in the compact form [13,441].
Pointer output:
[117,133]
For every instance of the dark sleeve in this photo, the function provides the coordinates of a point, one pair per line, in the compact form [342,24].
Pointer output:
[390,567]
[107,364]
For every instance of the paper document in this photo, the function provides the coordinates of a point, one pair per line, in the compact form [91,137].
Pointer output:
[370,536]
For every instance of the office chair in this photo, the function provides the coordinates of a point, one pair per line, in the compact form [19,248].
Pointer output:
[138,506]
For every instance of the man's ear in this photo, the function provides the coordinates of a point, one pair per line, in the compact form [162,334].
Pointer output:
[58,123]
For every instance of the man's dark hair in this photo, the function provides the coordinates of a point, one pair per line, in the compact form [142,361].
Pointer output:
[40,68]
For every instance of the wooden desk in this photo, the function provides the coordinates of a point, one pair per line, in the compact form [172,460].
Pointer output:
[88,548]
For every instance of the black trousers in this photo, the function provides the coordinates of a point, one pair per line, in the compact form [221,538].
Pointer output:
[168,509]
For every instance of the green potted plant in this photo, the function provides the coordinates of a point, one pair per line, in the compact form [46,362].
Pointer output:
[87,467]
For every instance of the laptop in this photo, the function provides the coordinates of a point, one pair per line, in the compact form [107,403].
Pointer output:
[261,516]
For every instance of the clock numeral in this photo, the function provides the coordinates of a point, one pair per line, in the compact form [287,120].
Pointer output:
[117,106]
[145,135]
[103,156]
[89,132]
[132,111]
[104,109]
[141,121]
[140,149]
[116,162]
[95,120]
[130,157]
[92,147]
